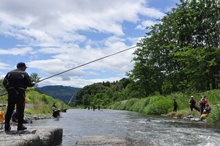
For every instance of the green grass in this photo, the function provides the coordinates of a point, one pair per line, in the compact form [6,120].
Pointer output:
[163,105]
[40,103]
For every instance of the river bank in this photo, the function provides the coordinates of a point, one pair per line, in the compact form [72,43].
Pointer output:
[163,105]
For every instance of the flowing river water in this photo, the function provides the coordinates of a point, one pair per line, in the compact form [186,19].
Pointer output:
[158,131]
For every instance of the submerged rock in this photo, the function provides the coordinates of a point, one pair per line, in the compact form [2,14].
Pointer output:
[109,140]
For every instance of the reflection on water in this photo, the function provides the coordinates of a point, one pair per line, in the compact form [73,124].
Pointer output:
[77,123]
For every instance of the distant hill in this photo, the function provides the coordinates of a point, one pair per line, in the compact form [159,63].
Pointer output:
[60,92]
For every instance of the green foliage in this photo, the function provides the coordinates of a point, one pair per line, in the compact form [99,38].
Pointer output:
[63,93]
[182,52]
[214,116]
[44,98]
[157,108]
[41,103]
[104,93]
[154,105]
[139,105]
[35,78]
[115,105]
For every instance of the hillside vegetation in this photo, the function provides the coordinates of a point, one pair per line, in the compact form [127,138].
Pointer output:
[163,105]
[36,102]
[60,92]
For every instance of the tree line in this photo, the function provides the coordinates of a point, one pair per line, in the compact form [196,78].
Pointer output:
[182,52]
[179,54]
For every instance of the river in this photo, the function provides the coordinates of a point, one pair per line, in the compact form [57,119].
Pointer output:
[158,131]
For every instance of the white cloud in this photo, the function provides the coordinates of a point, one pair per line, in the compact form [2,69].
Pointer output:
[75,82]
[35,21]
[146,23]
[4,66]
[55,36]
[16,51]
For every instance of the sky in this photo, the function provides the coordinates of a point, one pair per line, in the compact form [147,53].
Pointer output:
[54,36]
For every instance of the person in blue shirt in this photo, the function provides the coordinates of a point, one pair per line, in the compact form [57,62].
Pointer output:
[15,116]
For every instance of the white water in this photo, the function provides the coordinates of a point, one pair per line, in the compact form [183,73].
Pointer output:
[78,123]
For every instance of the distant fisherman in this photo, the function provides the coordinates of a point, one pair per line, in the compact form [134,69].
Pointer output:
[206,111]
[175,105]
[94,107]
[16,82]
[54,106]
[192,104]
[202,102]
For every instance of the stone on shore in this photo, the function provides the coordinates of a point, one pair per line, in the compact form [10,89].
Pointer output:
[33,136]
[109,140]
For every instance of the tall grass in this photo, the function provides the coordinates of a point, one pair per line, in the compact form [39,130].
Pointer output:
[158,105]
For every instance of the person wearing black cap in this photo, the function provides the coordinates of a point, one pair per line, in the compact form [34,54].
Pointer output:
[16,82]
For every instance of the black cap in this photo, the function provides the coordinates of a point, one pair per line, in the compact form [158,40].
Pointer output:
[21,64]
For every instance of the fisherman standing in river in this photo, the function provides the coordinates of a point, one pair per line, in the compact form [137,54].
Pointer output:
[16,82]
[94,107]
[192,104]
[54,106]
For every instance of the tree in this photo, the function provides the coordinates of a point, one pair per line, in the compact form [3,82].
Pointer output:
[182,52]
[35,78]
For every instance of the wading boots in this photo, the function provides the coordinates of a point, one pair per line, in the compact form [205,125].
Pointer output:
[7,127]
[21,127]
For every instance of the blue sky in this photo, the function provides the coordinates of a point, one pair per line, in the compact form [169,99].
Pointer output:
[54,36]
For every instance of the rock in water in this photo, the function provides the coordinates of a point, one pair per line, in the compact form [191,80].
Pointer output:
[109,140]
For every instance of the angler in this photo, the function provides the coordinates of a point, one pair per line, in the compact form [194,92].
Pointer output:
[16,82]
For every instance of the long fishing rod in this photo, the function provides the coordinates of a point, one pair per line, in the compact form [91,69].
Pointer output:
[88,63]
[83,65]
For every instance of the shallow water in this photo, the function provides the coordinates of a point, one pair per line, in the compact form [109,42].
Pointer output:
[78,123]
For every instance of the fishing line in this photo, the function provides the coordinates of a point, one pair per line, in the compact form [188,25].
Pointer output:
[84,64]
[87,63]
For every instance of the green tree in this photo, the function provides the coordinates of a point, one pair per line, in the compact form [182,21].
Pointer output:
[182,52]
[35,78]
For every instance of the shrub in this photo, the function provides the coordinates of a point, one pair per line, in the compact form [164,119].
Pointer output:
[44,98]
[214,116]
[129,103]
[140,104]
[157,108]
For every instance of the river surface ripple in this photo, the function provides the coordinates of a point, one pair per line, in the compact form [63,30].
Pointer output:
[77,123]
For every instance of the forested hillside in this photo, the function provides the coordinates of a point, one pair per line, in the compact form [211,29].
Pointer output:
[104,93]
[63,93]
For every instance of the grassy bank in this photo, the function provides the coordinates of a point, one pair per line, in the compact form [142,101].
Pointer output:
[38,103]
[163,105]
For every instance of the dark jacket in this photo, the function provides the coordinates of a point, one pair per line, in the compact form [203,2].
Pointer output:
[17,79]
[207,110]
[192,102]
